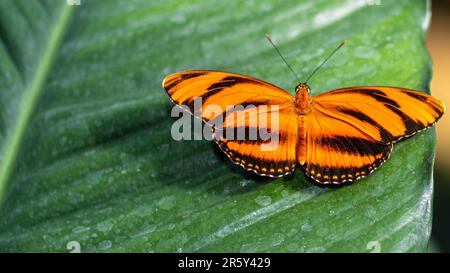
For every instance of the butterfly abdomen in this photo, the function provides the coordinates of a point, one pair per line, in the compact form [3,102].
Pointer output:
[301,141]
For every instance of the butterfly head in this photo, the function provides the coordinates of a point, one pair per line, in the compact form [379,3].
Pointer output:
[302,88]
[302,98]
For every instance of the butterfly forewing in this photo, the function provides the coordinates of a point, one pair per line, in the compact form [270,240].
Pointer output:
[387,114]
[222,89]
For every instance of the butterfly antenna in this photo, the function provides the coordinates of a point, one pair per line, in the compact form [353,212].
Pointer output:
[284,60]
[324,61]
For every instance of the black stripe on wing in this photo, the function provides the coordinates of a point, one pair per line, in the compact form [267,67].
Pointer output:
[386,136]
[411,125]
[355,145]
[171,84]
[226,82]
[425,99]
[218,87]
[377,95]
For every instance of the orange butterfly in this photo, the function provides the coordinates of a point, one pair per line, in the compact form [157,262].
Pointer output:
[339,136]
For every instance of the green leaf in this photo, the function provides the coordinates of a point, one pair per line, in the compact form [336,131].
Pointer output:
[86,153]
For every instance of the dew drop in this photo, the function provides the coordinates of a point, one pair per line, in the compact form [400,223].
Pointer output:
[244,183]
[306,227]
[80,229]
[265,7]
[370,212]
[166,203]
[105,226]
[145,231]
[263,200]
[365,52]
[278,239]
[316,250]
[378,191]
[95,177]
[104,245]
[178,18]
[245,248]
[292,247]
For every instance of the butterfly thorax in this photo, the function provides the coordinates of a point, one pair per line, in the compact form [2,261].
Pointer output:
[302,99]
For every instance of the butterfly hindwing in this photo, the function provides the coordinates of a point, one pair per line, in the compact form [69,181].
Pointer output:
[387,114]
[274,156]
[338,152]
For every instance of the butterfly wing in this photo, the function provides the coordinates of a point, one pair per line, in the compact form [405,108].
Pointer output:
[222,89]
[387,114]
[338,152]
[262,107]
[351,131]
[273,156]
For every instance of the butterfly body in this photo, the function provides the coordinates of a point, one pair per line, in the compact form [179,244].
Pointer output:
[302,104]
[336,137]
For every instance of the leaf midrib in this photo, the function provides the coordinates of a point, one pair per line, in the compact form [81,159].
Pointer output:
[30,98]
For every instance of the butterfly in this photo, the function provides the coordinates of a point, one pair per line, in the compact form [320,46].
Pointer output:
[336,137]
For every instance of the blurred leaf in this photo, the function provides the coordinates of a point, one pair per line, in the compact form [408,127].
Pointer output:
[85,148]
